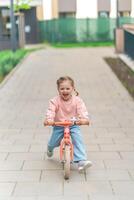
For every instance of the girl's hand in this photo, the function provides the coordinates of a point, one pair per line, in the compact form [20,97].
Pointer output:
[45,123]
[82,122]
[50,123]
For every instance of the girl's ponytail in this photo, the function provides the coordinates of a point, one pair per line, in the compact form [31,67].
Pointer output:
[76,92]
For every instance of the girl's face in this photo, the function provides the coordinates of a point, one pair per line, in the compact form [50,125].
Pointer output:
[65,90]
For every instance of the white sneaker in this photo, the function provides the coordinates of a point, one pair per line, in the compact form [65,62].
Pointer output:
[49,153]
[83,165]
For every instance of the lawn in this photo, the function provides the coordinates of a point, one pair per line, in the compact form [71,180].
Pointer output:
[82,44]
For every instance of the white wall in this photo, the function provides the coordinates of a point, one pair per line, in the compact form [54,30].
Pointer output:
[4,3]
[132,12]
[113,8]
[86,8]
[47,9]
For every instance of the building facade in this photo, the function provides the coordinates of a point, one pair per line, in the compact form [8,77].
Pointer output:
[87,8]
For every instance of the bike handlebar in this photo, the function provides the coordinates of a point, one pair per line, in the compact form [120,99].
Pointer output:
[65,123]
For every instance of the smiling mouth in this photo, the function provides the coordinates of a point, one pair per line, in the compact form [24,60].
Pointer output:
[65,95]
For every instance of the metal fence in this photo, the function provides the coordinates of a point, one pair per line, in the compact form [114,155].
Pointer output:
[79,30]
[5,44]
[129,44]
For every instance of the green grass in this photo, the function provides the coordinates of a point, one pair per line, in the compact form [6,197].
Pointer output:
[8,60]
[82,44]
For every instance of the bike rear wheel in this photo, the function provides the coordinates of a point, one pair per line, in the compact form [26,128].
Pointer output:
[67,162]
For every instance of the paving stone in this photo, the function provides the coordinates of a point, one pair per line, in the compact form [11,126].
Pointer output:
[123,187]
[127,155]
[25,156]
[91,147]
[131,172]
[101,141]
[119,164]
[110,197]
[71,197]
[37,148]
[58,176]
[124,141]
[11,165]
[117,147]
[6,189]
[19,198]
[75,188]
[14,148]
[103,197]
[103,155]
[105,175]
[38,189]
[19,176]
[3,156]
[99,187]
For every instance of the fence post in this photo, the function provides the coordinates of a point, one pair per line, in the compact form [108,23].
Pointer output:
[119,40]
[21,31]
[87,26]
[53,29]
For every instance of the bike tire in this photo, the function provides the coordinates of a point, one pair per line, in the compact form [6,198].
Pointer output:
[67,162]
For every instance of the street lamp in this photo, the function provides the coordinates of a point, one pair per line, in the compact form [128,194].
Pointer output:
[13,27]
[117,13]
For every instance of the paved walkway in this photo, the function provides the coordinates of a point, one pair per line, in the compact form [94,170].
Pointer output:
[25,171]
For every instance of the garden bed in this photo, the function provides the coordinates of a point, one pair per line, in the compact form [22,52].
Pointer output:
[9,59]
[123,72]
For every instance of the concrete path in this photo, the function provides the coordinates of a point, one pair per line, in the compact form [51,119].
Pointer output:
[25,171]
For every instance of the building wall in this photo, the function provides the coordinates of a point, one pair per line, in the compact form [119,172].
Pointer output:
[113,8]
[4,3]
[39,12]
[104,5]
[67,5]
[132,8]
[87,8]
[47,9]
[124,5]
[55,9]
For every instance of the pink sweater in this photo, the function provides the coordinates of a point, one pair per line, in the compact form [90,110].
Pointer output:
[60,110]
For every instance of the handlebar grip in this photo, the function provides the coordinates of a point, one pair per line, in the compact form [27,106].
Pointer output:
[65,123]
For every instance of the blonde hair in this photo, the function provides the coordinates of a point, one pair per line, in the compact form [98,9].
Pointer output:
[67,78]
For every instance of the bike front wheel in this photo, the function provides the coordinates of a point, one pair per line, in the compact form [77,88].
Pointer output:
[67,162]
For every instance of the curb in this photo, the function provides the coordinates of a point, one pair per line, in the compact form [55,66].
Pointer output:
[127,60]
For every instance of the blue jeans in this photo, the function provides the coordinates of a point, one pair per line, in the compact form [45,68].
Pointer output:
[79,149]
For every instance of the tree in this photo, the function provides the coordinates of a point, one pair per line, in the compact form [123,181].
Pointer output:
[22,5]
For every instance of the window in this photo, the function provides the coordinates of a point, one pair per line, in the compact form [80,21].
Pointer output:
[103,14]
[66,14]
[5,22]
[124,14]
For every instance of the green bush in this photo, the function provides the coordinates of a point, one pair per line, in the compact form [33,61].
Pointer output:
[8,60]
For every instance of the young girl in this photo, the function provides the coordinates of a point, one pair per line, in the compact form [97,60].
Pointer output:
[68,106]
